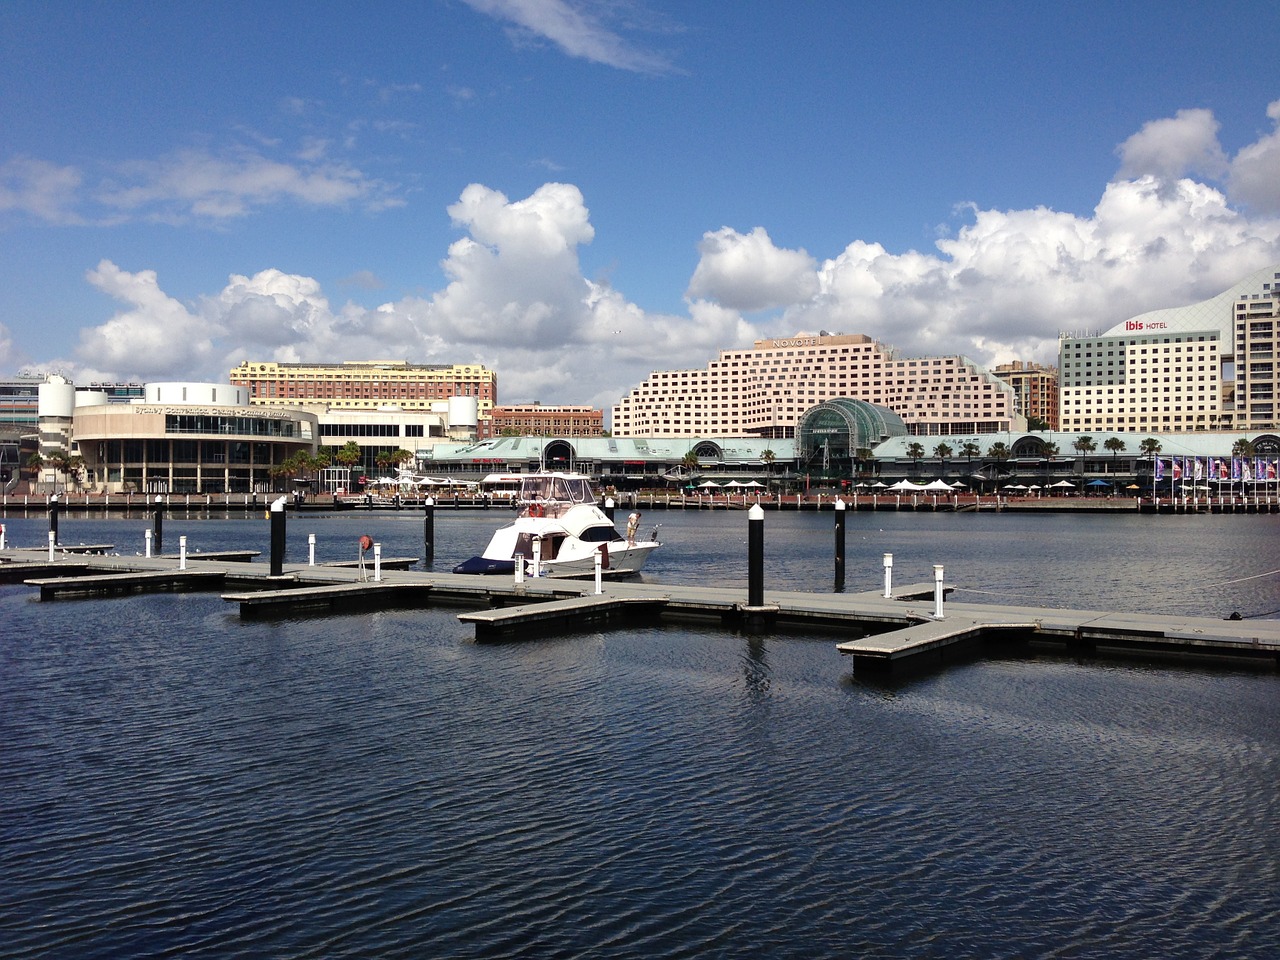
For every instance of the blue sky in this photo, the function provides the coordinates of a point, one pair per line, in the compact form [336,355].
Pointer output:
[576,192]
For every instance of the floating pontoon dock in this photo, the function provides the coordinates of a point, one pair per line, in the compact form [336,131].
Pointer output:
[882,635]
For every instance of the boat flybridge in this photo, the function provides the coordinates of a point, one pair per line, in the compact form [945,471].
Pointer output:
[559,532]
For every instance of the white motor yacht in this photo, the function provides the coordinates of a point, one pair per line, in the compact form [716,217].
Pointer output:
[559,532]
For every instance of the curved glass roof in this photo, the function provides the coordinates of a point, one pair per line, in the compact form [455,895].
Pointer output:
[847,425]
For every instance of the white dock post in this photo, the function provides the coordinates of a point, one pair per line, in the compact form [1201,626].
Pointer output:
[311,549]
[888,575]
[937,591]
[146,535]
[377,563]
[1,536]
[518,570]
[53,538]
[537,557]
[599,572]
[182,553]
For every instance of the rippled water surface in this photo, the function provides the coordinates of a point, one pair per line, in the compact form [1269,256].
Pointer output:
[176,782]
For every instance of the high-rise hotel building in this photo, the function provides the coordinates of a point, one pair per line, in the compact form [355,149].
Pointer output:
[1207,366]
[762,391]
[366,384]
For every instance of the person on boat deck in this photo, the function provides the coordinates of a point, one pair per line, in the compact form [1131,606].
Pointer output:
[633,524]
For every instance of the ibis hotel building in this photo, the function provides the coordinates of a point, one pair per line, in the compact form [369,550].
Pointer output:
[764,390]
[1210,366]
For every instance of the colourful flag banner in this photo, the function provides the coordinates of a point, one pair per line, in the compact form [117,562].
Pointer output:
[1159,467]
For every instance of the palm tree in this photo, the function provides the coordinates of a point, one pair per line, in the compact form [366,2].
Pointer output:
[998,451]
[58,460]
[1242,448]
[767,457]
[1084,445]
[348,455]
[1048,451]
[915,451]
[75,468]
[1151,447]
[35,463]
[1115,445]
[942,451]
[970,450]
[864,462]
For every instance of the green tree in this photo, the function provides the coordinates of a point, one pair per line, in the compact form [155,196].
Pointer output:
[916,452]
[970,450]
[58,460]
[1048,451]
[1116,446]
[75,469]
[1242,448]
[942,451]
[1084,445]
[999,452]
[1151,447]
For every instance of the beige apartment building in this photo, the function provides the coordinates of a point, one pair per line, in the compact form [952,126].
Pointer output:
[762,391]
[1035,389]
[1209,366]
[366,384]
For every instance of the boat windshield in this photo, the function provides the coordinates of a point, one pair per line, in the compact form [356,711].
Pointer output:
[556,487]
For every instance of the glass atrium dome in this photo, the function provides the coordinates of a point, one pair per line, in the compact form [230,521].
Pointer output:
[839,428]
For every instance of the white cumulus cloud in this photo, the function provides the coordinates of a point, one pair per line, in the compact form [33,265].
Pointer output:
[747,272]
[1255,171]
[1174,147]
[153,338]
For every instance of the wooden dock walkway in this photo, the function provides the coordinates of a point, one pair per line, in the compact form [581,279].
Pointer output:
[881,635]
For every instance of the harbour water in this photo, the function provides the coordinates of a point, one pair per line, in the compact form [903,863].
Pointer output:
[177,782]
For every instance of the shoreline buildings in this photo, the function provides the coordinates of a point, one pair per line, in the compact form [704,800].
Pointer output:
[366,384]
[1035,389]
[1209,366]
[763,391]
[536,419]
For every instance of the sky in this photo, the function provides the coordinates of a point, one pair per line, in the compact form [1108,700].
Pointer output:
[578,192]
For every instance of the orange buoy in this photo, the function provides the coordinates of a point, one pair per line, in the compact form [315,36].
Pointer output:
[366,542]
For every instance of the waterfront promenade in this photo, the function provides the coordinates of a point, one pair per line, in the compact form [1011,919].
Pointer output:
[247,504]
